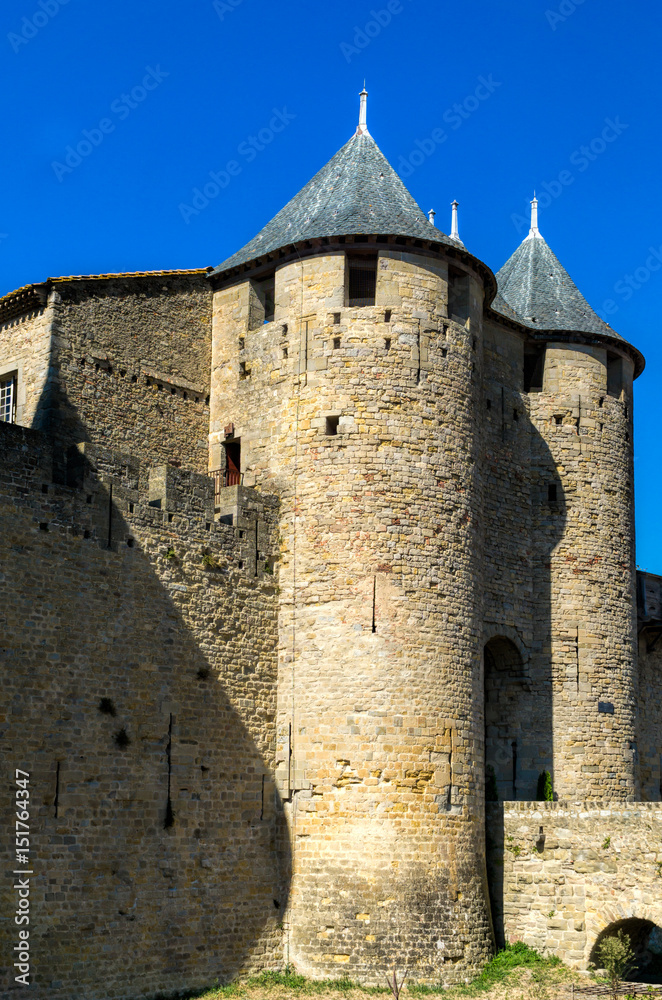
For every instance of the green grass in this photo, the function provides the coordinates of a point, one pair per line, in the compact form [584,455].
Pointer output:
[497,971]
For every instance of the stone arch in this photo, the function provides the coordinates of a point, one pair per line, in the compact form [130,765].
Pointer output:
[646,942]
[509,766]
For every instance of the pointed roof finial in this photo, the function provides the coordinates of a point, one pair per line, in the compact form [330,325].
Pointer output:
[455,233]
[534,231]
[363,112]
[431,215]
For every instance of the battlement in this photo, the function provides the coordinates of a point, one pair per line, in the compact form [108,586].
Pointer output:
[113,498]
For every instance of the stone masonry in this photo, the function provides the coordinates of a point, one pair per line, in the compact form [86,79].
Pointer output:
[311,567]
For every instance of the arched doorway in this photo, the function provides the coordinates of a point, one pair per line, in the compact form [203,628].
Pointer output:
[512,746]
[646,943]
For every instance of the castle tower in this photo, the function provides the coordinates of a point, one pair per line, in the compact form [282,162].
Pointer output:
[578,375]
[346,378]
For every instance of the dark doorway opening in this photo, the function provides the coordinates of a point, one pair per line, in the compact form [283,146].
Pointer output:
[232,462]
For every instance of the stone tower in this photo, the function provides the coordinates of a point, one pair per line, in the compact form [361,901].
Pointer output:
[350,371]
[346,368]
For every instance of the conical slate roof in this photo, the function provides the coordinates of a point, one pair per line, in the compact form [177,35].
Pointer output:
[358,191]
[538,288]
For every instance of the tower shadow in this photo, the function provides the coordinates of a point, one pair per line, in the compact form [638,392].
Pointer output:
[140,671]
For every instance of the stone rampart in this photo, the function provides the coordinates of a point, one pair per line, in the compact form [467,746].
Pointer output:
[138,649]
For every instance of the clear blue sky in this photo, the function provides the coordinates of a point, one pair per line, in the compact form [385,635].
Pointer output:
[556,71]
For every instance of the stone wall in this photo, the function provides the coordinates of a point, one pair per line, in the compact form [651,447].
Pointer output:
[563,872]
[25,351]
[128,364]
[365,422]
[138,646]
[649,725]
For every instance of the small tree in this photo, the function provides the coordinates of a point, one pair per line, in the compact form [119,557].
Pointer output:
[545,792]
[616,956]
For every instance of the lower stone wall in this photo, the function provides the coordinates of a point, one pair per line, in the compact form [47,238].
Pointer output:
[560,873]
[137,669]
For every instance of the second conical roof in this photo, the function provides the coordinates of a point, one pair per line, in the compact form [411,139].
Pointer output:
[535,284]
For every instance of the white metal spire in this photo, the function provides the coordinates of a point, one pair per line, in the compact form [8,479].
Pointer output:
[431,215]
[455,232]
[534,231]
[363,112]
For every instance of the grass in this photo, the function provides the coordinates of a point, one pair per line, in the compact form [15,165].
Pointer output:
[517,971]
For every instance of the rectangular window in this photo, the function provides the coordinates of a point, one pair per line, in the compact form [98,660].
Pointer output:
[614,375]
[232,462]
[458,295]
[361,279]
[262,301]
[332,426]
[534,368]
[8,399]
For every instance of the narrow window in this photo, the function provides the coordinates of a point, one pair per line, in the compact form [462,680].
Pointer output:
[458,295]
[534,368]
[233,462]
[387,343]
[558,419]
[336,318]
[285,352]
[242,343]
[614,374]
[488,404]
[332,425]
[8,399]
[516,415]
[262,298]
[336,343]
[387,316]
[361,279]
[551,492]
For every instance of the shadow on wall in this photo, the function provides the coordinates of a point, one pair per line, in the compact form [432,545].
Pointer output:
[519,739]
[646,943]
[144,714]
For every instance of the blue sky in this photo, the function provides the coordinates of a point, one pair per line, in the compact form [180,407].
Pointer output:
[161,94]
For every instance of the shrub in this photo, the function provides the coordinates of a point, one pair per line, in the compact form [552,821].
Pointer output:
[616,957]
[545,791]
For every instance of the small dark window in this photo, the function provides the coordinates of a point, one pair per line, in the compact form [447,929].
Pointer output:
[240,564]
[362,279]
[129,542]
[387,316]
[534,368]
[244,372]
[515,415]
[86,534]
[558,419]
[208,526]
[332,425]
[285,352]
[387,344]
[242,343]
[473,344]
[444,352]
[43,526]
[88,500]
[488,404]
[170,517]
[336,318]
[44,488]
[614,374]
[130,508]
[336,343]
[551,492]
[284,330]
[458,295]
